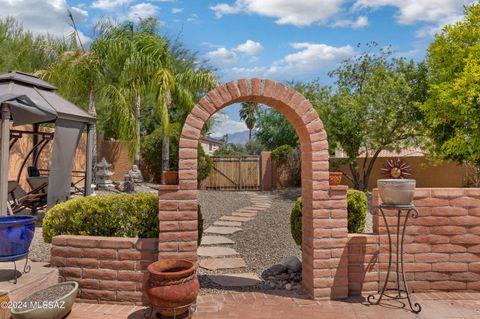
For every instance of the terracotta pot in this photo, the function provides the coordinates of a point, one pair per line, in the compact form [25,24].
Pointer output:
[4,311]
[335,178]
[171,284]
[170,177]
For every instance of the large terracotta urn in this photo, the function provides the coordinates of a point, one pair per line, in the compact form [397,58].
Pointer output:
[171,287]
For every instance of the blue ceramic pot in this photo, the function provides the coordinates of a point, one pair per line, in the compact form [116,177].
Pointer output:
[16,234]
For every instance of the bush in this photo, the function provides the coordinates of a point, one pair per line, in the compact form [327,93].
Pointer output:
[205,164]
[123,215]
[296,222]
[200,225]
[357,211]
[282,152]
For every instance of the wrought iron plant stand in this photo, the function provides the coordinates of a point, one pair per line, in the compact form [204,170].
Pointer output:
[399,292]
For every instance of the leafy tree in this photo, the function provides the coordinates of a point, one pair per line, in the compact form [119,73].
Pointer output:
[373,109]
[452,111]
[254,147]
[274,129]
[248,113]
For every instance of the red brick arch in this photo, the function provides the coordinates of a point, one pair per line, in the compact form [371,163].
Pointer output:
[324,220]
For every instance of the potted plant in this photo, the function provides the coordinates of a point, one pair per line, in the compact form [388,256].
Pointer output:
[172,286]
[54,302]
[170,177]
[335,176]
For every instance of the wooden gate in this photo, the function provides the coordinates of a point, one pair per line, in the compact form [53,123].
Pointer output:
[234,172]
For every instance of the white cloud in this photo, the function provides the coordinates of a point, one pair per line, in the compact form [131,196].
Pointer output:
[193,18]
[222,57]
[298,13]
[142,11]
[361,22]
[109,4]
[412,11]
[250,47]
[225,125]
[177,10]
[44,17]
[310,60]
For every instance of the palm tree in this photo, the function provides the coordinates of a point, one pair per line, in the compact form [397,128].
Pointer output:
[248,113]
[177,82]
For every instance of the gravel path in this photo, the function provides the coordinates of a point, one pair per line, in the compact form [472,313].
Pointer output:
[215,204]
[39,250]
[264,241]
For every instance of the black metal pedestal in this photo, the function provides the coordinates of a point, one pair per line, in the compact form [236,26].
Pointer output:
[14,259]
[399,292]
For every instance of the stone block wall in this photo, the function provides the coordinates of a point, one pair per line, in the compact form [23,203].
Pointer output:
[107,269]
[442,245]
[362,263]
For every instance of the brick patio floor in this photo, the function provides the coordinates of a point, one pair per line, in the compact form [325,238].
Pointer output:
[282,305]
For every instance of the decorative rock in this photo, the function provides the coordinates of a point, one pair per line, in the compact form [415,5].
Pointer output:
[216,240]
[276,269]
[222,263]
[288,286]
[222,230]
[292,263]
[235,280]
[215,251]
[224,223]
[125,186]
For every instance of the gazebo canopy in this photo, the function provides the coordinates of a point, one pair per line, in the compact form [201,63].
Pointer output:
[43,95]
[26,99]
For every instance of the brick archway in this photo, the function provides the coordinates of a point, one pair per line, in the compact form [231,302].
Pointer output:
[324,241]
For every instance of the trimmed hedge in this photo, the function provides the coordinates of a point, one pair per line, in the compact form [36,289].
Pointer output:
[296,222]
[357,213]
[123,215]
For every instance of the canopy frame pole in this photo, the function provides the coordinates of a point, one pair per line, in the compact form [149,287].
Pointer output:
[4,157]
[89,159]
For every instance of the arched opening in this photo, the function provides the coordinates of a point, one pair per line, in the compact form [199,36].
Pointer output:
[324,214]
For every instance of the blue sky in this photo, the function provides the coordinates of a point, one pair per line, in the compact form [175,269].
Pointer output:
[279,39]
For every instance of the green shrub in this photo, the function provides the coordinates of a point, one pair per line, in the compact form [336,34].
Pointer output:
[123,215]
[357,211]
[282,152]
[296,222]
[200,225]
[151,149]
[205,164]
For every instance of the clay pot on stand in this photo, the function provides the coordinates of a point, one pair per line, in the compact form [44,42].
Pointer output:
[172,286]
[335,178]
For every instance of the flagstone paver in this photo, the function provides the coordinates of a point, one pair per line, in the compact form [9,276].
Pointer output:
[248,210]
[225,223]
[236,218]
[221,230]
[216,251]
[222,263]
[216,240]
[292,305]
[248,215]
[235,280]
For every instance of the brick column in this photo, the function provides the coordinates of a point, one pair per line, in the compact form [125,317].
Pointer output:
[178,223]
[266,171]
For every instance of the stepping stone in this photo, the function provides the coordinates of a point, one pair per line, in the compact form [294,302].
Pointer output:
[215,251]
[216,240]
[235,280]
[247,210]
[222,230]
[248,215]
[231,224]
[236,218]
[222,263]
